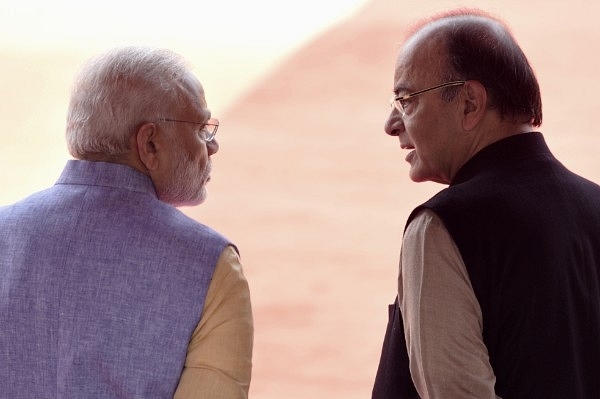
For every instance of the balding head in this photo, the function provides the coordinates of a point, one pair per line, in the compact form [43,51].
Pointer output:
[461,82]
[472,45]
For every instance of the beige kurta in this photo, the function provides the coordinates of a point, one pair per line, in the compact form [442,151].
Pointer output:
[219,359]
[442,317]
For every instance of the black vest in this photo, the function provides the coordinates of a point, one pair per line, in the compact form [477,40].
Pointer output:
[528,231]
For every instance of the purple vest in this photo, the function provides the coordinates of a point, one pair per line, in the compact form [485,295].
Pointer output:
[101,287]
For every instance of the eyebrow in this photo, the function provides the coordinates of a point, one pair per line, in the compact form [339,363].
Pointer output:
[400,87]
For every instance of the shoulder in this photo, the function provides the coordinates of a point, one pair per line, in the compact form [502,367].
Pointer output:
[33,203]
[432,208]
[181,227]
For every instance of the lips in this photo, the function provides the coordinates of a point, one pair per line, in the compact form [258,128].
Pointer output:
[411,154]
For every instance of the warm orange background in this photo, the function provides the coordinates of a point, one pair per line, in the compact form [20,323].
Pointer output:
[306,182]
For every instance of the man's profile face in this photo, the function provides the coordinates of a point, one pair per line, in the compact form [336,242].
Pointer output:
[427,128]
[187,158]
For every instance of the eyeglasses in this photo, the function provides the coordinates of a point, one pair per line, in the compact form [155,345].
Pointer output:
[397,101]
[208,128]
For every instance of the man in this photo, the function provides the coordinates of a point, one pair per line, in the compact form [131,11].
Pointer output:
[106,289]
[499,284]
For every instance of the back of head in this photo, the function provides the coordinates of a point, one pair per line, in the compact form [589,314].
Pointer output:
[480,47]
[117,91]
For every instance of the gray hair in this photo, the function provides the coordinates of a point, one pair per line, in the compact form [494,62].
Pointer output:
[117,91]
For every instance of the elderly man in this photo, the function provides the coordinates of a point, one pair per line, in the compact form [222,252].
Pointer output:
[106,289]
[499,284]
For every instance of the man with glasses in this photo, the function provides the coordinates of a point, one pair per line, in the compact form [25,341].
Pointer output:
[499,283]
[106,289]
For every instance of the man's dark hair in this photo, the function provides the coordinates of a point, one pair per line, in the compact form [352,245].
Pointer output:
[481,48]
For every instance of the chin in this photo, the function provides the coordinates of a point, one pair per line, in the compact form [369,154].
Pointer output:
[417,178]
[193,201]
[425,178]
[420,175]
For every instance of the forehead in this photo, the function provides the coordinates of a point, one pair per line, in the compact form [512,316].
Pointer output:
[195,101]
[419,62]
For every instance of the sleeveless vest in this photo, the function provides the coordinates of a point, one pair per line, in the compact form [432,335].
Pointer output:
[101,287]
[528,231]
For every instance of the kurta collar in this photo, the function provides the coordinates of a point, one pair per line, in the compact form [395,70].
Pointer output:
[519,146]
[106,174]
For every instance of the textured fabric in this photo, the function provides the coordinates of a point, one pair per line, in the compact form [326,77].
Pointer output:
[393,379]
[442,318]
[101,287]
[527,230]
[219,360]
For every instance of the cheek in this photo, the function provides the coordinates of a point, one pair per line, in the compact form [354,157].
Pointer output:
[427,155]
[198,159]
[196,152]
[202,156]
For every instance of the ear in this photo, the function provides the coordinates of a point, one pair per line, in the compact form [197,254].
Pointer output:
[147,145]
[475,104]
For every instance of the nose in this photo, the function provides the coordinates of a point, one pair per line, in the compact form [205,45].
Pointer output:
[394,124]
[212,146]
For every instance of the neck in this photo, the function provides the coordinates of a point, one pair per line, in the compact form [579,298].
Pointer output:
[129,159]
[493,128]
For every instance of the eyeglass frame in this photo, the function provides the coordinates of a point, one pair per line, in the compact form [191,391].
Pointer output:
[395,101]
[211,133]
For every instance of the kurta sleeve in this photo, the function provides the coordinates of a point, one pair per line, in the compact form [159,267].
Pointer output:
[219,358]
[441,314]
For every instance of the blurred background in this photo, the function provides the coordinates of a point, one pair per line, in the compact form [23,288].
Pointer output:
[306,183]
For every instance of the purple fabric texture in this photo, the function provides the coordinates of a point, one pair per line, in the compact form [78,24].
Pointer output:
[101,287]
